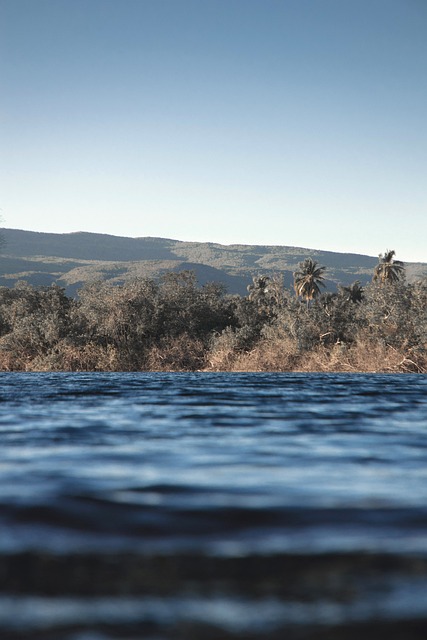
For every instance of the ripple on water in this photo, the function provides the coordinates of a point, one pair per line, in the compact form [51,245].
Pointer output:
[233,503]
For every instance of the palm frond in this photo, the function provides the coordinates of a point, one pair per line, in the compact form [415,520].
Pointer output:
[308,279]
[388,269]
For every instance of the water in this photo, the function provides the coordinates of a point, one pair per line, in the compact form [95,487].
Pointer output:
[213,506]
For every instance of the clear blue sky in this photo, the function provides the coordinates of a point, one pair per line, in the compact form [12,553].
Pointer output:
[289,122]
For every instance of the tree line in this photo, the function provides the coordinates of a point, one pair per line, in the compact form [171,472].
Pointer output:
[174,325]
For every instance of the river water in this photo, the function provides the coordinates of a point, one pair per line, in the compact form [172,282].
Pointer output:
[213,506]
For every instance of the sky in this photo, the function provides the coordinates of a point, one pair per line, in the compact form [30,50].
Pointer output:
[279,122]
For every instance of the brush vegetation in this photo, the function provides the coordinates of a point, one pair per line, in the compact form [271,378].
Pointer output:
[173,324]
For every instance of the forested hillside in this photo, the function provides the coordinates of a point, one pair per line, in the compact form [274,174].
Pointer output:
[75,259]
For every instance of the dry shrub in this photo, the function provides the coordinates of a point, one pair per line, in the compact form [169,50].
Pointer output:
[223,352]
[373,356]
[365,355]
[278,353]
[222,360]
[180,353]
[88,357]
[376,356]
[10,361]
[414,363]
[322,358]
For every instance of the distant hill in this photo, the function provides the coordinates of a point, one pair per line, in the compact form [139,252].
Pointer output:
[73,259]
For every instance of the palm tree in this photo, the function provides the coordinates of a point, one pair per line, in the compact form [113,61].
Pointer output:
[308,279]
[258,289]
[388,269]
[353,293]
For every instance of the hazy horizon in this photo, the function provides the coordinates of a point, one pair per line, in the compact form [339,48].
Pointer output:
[255,122]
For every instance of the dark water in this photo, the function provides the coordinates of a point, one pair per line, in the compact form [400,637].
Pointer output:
[213,506]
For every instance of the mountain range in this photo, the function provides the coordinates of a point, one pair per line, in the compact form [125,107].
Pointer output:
[73,259]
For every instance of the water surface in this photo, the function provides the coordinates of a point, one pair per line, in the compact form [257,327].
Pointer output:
[241,505]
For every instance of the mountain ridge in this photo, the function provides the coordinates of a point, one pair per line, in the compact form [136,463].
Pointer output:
[73,259]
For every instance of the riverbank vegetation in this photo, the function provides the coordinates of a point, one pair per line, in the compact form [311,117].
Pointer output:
[174,325]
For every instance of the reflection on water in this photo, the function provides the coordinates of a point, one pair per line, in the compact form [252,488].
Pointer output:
[213,506]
